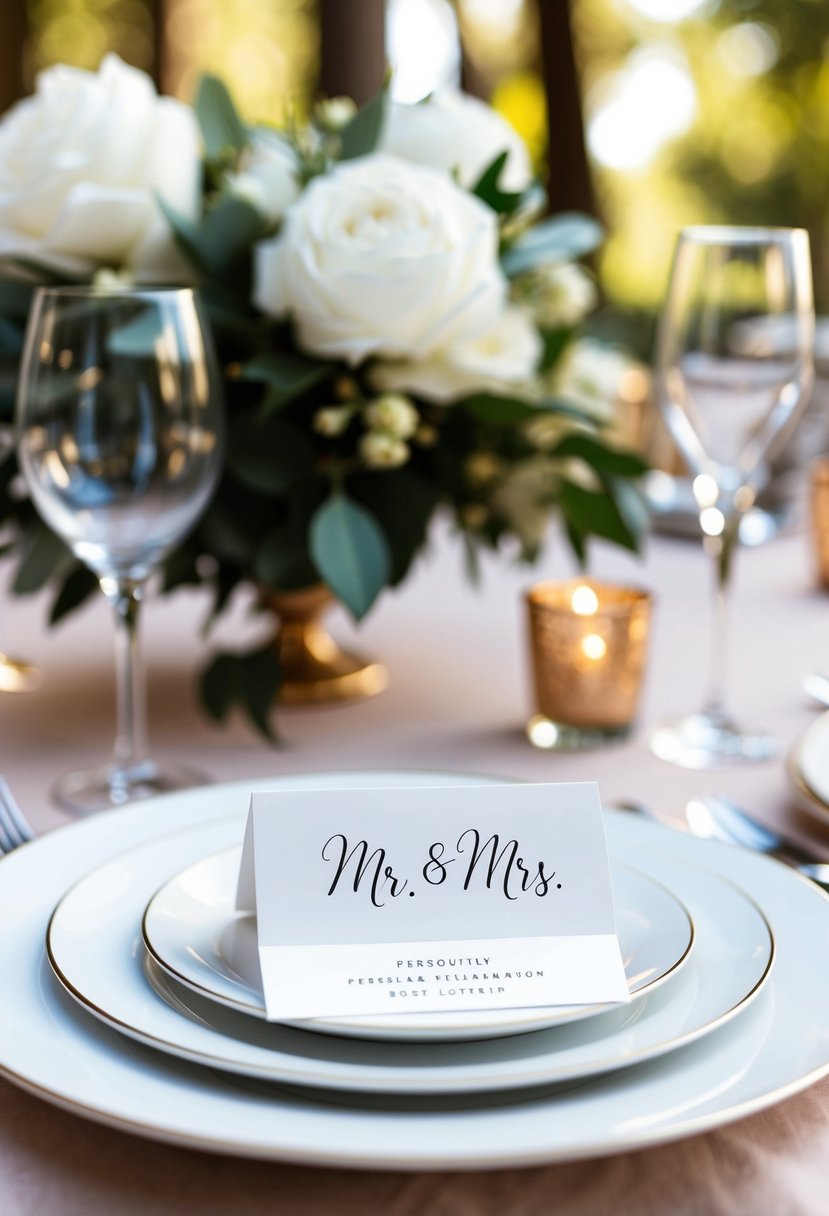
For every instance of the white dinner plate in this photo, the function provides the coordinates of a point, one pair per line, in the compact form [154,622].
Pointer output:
[807,768]
[95,948]
[50,1047]
[193,932]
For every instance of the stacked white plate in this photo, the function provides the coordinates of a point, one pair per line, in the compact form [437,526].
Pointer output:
[147,1013]
[807,767]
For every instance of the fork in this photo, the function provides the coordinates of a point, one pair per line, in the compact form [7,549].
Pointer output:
[14,830]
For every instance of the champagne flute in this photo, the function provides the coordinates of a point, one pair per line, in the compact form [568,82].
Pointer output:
[733,372]
[120,440]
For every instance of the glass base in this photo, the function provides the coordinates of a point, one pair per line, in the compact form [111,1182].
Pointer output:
[101,789]
[553,736]
[709,739]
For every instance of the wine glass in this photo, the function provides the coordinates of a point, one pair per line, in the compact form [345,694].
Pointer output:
[733,371]
[120,439]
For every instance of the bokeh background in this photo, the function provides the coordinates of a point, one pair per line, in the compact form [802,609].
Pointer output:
[678,111]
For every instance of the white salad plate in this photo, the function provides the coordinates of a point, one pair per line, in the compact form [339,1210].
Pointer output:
[95,948]
[192,931]
[807,767]
[52,1048]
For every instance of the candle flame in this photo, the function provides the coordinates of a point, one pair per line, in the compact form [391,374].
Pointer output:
[584,601]
[594,647]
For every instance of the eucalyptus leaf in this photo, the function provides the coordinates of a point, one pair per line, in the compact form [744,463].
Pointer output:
[361,134]
[405,503]
[561,238]
[229,232]
[225,236]
[188,235]
[351,552]
[220,124]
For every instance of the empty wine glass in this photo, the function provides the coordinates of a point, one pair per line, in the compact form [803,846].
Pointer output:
[120,439]
[733,371]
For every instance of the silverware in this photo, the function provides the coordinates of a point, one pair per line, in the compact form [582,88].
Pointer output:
[14,830]
[817,686]
[721,819]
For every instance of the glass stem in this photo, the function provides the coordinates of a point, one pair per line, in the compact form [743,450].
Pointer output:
[721,549]
[130,681]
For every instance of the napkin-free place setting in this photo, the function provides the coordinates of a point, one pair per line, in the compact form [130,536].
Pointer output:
[745,989]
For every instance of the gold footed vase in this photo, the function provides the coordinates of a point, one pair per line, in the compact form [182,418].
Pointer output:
[315,670]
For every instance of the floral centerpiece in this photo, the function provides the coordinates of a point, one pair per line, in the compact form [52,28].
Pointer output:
[396,319]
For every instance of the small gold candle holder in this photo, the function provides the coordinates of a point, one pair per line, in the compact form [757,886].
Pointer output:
[587,647]
[819,517]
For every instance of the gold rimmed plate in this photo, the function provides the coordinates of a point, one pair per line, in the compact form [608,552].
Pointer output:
[807,769]
[192,931]
[95,949]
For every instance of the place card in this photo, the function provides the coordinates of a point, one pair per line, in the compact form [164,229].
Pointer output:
[430,898]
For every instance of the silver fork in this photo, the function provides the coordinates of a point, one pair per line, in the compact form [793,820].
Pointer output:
[14,830]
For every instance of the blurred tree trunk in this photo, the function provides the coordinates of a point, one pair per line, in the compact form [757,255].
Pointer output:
[570,185]
[14,27]
[352,48]
[160,11]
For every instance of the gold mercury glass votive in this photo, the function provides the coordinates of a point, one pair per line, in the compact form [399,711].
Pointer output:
[587,649]
[819,517]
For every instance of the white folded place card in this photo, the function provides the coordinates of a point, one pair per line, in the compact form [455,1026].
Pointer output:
[430,898]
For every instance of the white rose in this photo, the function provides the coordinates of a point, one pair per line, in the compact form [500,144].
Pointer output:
[453,131]
[383,258]
[267,175]
[501,358]
[81,163]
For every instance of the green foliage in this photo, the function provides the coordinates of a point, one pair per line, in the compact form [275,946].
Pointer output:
[609,515]
[351,552]
[296,506]
[601,456]
[561,238]
[221,126]
[77,586]
[268,455]
[222,243]
[405,503]
[508,411]
[488,190]
[362,134]
[44,555]
[250,681]
[287,376]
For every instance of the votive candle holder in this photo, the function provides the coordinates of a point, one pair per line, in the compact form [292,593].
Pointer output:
[588,643]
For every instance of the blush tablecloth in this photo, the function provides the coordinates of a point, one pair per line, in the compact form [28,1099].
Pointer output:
[457,701]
